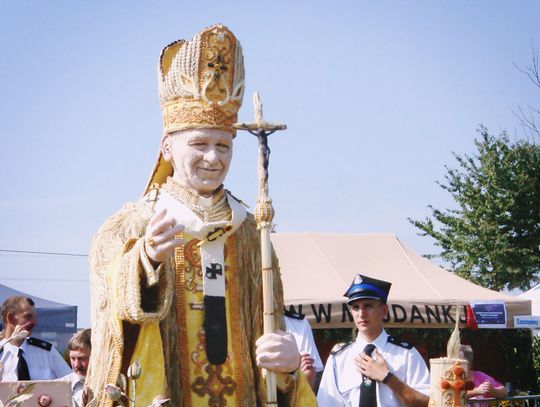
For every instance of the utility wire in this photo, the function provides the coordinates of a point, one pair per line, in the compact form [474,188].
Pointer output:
[43,253]
[63,280]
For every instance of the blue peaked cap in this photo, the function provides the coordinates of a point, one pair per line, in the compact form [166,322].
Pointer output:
[367,287]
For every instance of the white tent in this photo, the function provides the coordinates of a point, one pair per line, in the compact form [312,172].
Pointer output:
[534,295]
[317,268]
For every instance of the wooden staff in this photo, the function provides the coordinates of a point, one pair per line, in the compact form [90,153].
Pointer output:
[264,215]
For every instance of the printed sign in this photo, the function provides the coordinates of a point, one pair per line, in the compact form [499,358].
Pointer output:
[527,321]
[490,314]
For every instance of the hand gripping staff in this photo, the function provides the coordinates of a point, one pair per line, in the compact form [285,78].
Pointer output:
[264,214]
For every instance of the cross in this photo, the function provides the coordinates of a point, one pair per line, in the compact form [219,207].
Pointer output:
[264,214]
[218,64]
[456,384]
[213,270]
[262,130]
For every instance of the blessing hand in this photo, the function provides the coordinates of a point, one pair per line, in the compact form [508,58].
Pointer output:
[159,238]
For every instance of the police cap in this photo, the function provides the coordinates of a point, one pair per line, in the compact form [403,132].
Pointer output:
[367,287]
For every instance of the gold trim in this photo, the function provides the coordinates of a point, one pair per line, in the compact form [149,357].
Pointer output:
[236,334]
[179,268]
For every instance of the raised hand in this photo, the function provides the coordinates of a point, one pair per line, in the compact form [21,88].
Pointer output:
[277,351]
[159,238]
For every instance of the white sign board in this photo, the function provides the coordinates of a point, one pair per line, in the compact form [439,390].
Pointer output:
[527,321]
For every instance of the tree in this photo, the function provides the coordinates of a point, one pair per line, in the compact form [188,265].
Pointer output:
[493,236]
[528,116]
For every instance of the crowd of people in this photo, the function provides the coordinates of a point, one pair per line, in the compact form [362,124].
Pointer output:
[23,357]
[374,370]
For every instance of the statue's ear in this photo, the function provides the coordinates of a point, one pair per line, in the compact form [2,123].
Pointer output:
[166,147]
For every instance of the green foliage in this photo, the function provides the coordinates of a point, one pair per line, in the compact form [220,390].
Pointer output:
[338,335]
[493,236]
[536,357]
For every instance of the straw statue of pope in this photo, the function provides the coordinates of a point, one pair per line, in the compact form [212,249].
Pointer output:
[175,276]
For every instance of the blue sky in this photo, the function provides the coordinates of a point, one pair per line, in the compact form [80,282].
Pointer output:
[376,95]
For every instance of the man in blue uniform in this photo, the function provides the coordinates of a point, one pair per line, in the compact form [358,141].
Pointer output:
[23,357]
[376,369]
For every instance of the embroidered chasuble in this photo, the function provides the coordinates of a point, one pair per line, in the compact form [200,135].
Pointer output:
[157,316]
[204,383]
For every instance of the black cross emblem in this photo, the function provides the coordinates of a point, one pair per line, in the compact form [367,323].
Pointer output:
[218,64]
[215,268]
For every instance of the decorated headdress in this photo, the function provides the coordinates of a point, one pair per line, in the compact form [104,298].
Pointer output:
[201,85]
[367,287]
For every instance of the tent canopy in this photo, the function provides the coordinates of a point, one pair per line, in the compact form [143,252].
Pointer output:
[534,295]
[317,269]
[56,322]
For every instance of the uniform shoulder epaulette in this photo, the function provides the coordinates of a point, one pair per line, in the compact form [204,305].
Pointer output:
[39,343]
[338,347]
[399,342]
[295,315]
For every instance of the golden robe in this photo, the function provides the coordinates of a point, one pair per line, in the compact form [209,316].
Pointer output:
[137,310]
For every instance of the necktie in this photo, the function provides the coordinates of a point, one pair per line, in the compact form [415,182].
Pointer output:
[22,367]
[368,388]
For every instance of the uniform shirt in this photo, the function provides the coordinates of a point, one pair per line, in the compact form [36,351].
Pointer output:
[301,330]
[77,387]
[43,360]
[340,384]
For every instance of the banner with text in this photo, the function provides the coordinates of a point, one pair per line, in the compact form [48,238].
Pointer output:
[415,314]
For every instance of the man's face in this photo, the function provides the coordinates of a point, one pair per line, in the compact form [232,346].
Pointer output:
[25,316]
[368,315]
[79,359]
[200,158]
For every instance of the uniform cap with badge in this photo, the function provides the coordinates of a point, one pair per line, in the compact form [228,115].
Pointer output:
[367,287]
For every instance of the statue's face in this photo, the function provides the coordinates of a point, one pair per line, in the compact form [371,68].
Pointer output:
[200,157]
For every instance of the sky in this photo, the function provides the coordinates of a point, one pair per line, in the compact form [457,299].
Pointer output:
[377,97]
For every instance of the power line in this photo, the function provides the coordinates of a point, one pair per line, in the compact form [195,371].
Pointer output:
[64,280]
[43,253]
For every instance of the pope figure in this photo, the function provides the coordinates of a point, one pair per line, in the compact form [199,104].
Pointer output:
[175,276]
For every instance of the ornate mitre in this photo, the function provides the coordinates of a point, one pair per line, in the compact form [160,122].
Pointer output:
[201,82]
[201,85]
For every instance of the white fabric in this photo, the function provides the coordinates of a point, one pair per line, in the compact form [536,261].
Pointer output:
[42,364]
[340,383]
[534,295]
[77,387]
[212,252]
[301,330]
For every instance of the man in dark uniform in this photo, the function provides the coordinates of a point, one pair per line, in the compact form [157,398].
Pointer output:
[23,357]
[376,369]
